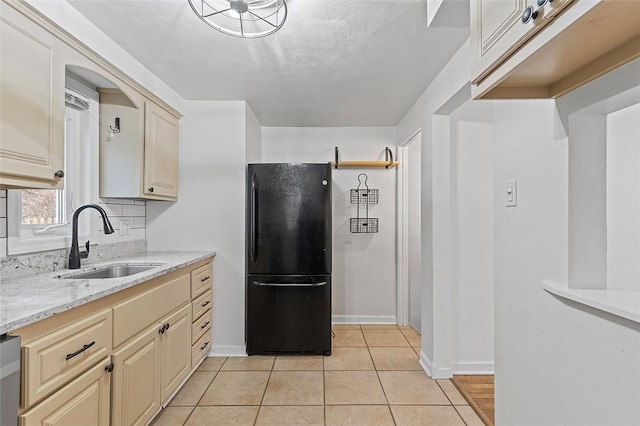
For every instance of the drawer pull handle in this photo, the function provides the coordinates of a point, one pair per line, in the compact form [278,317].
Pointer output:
[204,345]
[79,351]
[205,278]
[206,303]
[205,324]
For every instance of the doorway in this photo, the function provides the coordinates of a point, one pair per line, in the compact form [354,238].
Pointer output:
[410,300]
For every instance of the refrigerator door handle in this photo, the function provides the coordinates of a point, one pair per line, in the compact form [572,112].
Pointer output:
[253,218]
[267,284]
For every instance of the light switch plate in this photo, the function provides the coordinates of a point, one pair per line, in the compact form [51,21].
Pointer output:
[511,193]
[125,226]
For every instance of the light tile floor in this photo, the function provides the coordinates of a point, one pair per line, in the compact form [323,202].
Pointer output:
[372,378]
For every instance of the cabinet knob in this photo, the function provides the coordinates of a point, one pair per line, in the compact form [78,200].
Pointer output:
[151,189]
[109,368]
[529,14]
[541,3]
[163,329]
[59,174]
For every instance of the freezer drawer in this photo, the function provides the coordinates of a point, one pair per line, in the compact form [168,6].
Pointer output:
[288,314]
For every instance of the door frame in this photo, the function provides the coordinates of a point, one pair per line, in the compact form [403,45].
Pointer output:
[402,243]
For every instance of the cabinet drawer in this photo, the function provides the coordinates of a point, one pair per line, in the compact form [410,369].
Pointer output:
[201,279]
[84,401]
[200,349]
[200,326]
[136,314]
[202,304]
[55,359]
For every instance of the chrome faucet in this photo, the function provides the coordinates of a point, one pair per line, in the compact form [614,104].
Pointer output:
[75,255]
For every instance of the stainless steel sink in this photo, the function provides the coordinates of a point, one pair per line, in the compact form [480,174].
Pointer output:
[115,271]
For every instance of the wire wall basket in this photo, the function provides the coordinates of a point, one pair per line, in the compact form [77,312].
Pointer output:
[364,226]
[365,197]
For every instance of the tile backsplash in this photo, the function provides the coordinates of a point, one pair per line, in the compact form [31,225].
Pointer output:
[128,218]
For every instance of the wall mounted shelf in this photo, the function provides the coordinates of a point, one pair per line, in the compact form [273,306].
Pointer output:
[387,164]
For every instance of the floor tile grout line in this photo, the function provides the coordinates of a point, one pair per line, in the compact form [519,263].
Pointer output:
[203,393]
[381,386]
[460,415]
[264,393]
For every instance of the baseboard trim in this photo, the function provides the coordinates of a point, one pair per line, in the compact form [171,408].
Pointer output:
[474,368]
[364,319]
[433,370]
[228,350]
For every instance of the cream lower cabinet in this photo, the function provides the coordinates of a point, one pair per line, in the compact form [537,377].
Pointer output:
[175,351]
[136,380]
[117,360]
[84,401]
[149,369]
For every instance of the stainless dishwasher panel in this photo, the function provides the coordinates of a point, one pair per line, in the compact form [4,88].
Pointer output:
[9,380]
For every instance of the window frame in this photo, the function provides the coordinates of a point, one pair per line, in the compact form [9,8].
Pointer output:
[80,187]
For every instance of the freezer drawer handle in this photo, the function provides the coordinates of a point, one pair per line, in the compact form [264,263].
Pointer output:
[265,284]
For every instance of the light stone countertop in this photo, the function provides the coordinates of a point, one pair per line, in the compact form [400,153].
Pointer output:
[26,300]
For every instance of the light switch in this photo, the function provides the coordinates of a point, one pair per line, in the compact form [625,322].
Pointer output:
[125,226]
[511,193]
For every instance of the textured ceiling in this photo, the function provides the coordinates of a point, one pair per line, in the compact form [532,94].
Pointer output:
[333,63]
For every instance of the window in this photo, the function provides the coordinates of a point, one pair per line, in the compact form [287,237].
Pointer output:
[40,219]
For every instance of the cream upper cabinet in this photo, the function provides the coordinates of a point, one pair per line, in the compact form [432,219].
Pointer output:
[497,30]
[500,27]
[141,160]
[545,49]
[31,104]
[160,152]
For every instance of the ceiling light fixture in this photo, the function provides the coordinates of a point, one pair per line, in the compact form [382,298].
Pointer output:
[242,18]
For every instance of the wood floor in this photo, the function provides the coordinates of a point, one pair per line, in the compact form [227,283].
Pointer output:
[479,392]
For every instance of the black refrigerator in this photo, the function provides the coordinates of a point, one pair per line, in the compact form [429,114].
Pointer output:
[288,240]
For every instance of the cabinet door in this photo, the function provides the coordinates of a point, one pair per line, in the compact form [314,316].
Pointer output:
[31,103]
[84,401]
[176,350]
[160,152]
[497,31]
[136,380]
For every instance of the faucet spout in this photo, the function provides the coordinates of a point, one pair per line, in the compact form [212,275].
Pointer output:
[74,255]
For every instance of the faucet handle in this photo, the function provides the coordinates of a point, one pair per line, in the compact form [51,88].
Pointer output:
[85,254]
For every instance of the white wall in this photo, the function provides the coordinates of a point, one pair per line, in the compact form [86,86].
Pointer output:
[414,226]
[253,131]
[448,91]
[557,362]
[209,214]
[623,203]
[472,210]
[364,265]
